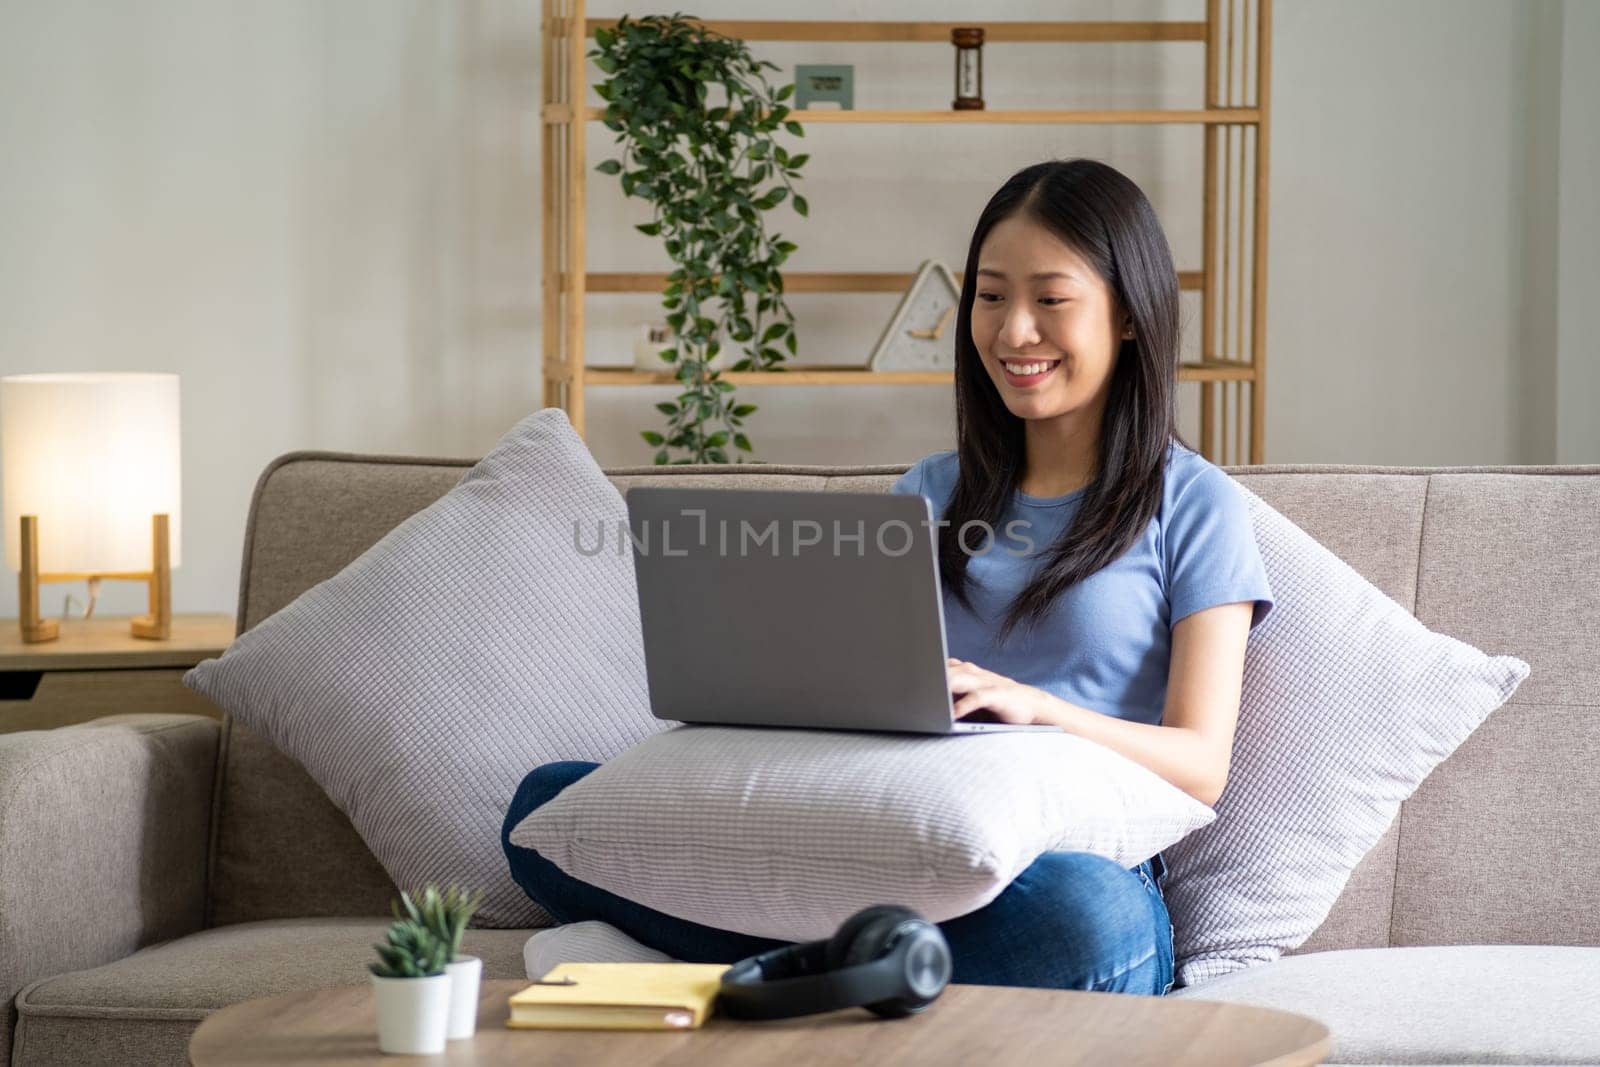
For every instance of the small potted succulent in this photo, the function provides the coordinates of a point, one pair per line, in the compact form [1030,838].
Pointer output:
[411,989]
[445,914]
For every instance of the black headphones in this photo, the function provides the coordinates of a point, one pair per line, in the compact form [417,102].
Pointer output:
[886,958]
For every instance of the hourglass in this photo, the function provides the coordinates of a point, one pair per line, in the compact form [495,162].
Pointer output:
[969,67]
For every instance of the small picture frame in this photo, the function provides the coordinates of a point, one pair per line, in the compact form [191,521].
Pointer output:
[831,85]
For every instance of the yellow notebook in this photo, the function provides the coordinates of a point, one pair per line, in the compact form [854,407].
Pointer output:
[619,996]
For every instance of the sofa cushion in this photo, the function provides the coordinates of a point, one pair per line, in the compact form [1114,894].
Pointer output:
[144,1007]
[1348,704]
[785,833]
[477,638]
[1506,828]
[1434,1004]
[1494,557]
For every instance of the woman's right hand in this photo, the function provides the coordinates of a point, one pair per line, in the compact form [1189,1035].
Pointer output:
[1008,700]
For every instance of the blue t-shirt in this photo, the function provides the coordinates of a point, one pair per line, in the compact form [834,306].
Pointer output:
[1106,642]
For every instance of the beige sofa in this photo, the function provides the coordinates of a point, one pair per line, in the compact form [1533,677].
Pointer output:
[155,868]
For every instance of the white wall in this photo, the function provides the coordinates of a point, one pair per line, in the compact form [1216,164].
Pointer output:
[1578,270]
[325,217]
[152,217]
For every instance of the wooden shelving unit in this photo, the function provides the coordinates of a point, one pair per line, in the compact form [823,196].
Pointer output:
[1231,280]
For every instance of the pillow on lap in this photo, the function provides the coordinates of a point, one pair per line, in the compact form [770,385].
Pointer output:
[784,833]
[1348,704]
[473,641]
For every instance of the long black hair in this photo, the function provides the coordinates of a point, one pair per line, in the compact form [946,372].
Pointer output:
[1104,217]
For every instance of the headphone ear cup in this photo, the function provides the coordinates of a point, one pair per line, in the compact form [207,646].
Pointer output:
[927,963]
[839,944]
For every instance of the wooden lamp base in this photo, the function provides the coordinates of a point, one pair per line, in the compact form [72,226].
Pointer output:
[155,626]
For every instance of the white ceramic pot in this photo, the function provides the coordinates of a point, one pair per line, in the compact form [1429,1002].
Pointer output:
[413,1013]
[464,973]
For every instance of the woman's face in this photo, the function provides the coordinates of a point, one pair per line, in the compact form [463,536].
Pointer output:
[1047,327]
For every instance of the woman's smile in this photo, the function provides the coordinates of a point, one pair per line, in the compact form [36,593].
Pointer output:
[1024,374]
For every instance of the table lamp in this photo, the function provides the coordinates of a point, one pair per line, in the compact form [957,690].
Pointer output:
[89,470]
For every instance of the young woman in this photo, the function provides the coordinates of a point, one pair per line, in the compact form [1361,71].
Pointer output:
[1098,574]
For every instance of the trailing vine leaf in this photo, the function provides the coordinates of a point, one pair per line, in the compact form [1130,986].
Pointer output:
[710,168]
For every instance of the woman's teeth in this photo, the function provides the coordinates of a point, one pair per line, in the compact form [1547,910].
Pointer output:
[1023,370]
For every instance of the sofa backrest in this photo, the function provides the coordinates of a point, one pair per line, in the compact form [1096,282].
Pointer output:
[1497,846]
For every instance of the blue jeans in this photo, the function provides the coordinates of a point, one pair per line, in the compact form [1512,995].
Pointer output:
[1071,920]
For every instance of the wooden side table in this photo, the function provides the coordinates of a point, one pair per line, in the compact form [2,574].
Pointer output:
[967,1024]
[98,668]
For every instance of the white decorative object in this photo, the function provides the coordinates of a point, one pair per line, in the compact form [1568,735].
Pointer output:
[656,336]
[412,1014]
[653,337]
[465,974]
[921,335]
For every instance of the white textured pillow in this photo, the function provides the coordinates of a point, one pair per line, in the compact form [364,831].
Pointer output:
[785,833]
[470,644]
[1348,704]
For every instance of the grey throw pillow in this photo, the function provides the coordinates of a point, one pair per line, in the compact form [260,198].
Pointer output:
[785,833]
[472,643]
[1348,704]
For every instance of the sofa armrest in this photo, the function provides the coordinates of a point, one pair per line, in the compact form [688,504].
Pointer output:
[104,829]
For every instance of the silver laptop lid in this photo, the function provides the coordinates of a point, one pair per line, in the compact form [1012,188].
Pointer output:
[781,608]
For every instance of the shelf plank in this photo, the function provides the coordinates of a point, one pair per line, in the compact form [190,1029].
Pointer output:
[799,375]
[939,32]
[1218,116]
[814,374]
[818,281]
[1217,370]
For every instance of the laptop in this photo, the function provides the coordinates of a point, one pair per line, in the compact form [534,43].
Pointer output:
[816,610]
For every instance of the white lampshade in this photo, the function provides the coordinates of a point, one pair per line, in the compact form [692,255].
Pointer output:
[94,456]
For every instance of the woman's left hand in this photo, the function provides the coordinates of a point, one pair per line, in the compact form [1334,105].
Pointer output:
[1010,701]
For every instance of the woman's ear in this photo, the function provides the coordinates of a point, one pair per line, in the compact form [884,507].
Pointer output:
[1127,329]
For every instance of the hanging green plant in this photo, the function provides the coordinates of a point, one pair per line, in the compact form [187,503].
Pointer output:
[711,171]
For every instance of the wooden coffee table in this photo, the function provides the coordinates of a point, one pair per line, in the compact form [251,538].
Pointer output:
[987,1025]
